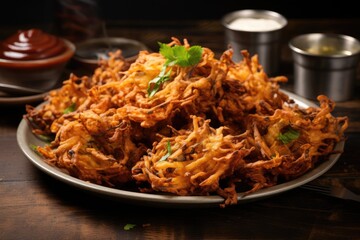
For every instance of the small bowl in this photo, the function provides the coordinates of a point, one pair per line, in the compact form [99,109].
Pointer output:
[89,52]
[42,74]
[325,63]
[259,32]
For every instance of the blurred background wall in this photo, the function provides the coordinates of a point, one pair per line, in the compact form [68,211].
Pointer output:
[45,11]
[81,19]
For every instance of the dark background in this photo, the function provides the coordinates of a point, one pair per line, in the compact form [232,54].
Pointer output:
[78,20]
[45,11]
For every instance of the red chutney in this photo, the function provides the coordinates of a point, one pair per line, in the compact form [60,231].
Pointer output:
[32,44]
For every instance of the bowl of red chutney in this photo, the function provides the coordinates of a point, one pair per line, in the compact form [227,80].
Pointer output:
[34,58]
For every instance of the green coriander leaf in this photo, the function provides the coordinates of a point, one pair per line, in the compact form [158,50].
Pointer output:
[34,148]
[160,79]
[288,136]
[169,152]
[166,51]
[195,53]
[129,226]
[70,108]
[46,138]
[175,55]
[181,56]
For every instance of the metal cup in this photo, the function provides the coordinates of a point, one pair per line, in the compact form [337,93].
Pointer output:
[264,42]
[325,64]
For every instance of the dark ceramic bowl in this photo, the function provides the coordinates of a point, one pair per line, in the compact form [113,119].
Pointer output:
[89,52]
[41,74]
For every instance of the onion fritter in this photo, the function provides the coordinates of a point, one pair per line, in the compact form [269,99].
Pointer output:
[218,127]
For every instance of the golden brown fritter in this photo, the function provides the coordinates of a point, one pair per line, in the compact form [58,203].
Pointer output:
[218,127]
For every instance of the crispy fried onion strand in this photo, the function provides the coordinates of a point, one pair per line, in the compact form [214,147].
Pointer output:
[211,129]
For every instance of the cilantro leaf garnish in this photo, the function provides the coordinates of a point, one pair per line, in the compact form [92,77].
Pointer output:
[46,138]
[161,78]
[129,226]
[70,108]
[289,135]
[169,152]
[34,148]
[175,55]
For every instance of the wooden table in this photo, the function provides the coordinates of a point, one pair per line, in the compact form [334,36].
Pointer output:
[34,205]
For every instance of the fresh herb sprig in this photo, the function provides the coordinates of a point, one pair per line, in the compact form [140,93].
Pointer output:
[169,152]
[175,55]
[129,226]
[288,136]
[70,108]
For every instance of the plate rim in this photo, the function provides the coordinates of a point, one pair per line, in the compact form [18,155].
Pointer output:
[24,135]
[22,99]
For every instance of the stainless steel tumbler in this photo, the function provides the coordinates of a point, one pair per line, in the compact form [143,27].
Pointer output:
[259,32]
[325,63]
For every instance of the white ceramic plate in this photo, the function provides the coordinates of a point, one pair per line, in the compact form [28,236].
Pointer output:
[25,139]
